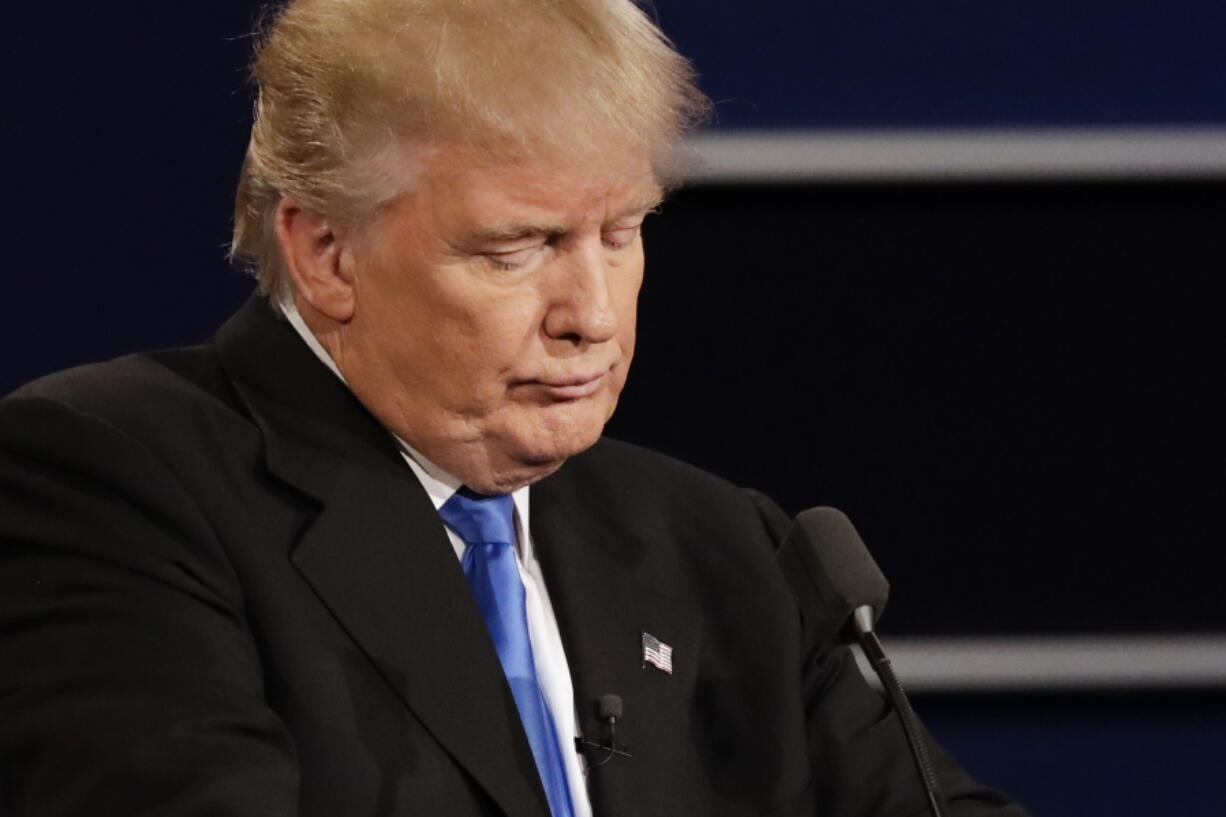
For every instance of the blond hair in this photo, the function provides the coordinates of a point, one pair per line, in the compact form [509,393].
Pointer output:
[344,86]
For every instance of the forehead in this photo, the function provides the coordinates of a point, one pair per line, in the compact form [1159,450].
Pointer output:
[489,187]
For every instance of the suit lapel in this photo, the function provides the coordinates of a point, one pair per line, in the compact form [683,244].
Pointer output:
[378,557]
[603,609]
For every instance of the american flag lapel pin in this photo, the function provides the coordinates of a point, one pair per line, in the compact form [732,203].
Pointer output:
[657,653]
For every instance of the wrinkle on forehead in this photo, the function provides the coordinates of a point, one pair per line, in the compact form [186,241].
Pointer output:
[590,168]
[539,194]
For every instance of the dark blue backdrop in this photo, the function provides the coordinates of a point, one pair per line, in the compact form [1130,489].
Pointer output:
[856,63]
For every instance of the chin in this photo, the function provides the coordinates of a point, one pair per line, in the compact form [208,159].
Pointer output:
[508,469]
[552,451]
[550,443]
[531,444]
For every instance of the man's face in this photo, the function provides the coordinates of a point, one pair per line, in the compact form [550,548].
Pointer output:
[495,310]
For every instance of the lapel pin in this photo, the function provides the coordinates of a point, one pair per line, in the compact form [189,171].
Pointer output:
[657,653]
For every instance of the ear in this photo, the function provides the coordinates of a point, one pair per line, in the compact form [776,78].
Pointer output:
[316,259]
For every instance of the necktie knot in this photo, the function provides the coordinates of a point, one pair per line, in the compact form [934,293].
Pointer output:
[480,519]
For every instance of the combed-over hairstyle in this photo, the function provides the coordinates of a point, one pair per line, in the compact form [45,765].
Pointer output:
[344,86]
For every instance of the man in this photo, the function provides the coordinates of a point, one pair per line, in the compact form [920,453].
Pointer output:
[365,553]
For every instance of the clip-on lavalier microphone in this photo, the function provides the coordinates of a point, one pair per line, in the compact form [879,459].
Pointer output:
[609,710]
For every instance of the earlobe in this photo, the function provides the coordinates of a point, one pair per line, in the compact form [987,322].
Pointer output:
[316,260]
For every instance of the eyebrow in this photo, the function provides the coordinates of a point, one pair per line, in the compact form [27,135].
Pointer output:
[517,232]
[646,203]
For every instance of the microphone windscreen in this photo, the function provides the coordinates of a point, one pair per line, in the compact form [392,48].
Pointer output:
[609,706]
[830,571]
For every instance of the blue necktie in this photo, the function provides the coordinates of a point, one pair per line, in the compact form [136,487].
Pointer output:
[484,523]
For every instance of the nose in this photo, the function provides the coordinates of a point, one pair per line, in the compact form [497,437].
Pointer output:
[582,310]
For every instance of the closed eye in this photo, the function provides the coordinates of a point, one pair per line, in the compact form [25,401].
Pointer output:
[513,259]
[620,236]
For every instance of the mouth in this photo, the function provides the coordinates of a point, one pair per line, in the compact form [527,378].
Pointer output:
[574,387]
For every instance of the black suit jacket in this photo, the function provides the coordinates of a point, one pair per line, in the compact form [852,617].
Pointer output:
[222,592]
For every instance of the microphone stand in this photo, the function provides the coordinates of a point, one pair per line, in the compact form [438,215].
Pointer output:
[862,622]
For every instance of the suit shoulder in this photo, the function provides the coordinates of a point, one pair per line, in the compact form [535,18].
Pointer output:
[172,404]
[137,391]
[648,471]
[658,486]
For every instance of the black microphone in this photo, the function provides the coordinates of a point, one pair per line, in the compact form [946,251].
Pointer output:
[832,575]
[841,593]
[609,711]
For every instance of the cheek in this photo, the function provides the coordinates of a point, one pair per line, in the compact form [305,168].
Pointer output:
[497,337]
[459,322]
[475,352]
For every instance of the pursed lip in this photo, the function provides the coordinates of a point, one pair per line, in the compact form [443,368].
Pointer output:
[570,387]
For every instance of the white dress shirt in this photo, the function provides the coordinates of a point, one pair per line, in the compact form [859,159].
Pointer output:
[552,669]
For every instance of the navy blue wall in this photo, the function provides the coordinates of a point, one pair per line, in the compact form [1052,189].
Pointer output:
[124,125]
[854,63]
[1091,755]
